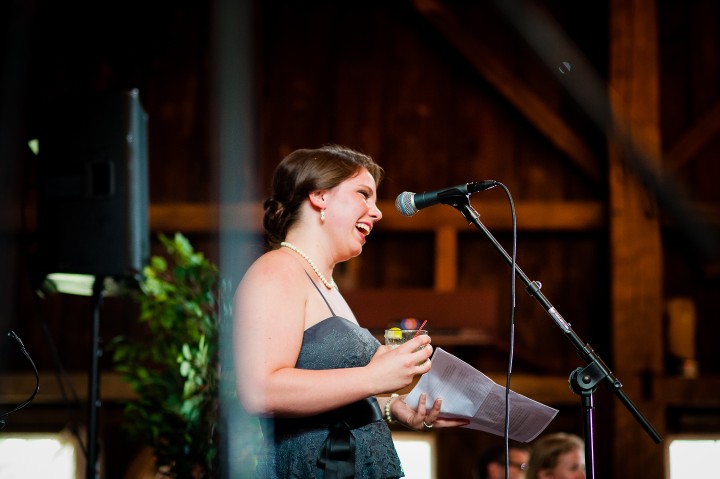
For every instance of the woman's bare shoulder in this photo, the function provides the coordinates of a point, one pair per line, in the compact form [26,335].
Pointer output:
[274,270]
[269,296]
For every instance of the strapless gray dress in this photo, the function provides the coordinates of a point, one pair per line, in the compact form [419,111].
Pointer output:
[293,451]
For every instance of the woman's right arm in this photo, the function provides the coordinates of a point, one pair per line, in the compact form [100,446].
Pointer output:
[269,322]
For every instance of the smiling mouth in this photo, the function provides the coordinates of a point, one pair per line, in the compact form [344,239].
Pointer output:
[363,228]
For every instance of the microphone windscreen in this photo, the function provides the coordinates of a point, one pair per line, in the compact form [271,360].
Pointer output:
[405,204]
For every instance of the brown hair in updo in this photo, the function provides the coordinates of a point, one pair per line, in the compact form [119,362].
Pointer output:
[302,172]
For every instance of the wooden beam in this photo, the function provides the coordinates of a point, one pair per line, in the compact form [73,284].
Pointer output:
[550,390]
[692,142]
[446,256]
[492,68]
[451,311]
[635,249]
[532,216]
[16,387]
[701,393]
[205,217]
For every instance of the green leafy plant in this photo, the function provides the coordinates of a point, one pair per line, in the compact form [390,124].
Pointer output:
[174,367]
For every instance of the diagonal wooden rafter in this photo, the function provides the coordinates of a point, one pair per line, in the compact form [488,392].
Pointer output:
[515,92]
[693,141]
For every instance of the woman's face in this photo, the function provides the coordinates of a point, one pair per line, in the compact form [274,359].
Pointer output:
[351,212]
[570,465]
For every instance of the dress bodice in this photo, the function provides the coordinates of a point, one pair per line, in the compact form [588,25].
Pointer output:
[333,343]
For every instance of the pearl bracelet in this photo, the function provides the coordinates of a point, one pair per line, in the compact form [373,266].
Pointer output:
[388,416]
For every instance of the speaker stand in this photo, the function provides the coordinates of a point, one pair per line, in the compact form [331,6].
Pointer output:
[91,470]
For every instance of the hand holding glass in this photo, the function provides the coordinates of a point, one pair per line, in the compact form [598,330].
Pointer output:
[396,337]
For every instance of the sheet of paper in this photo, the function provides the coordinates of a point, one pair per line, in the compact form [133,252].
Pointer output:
[469,394]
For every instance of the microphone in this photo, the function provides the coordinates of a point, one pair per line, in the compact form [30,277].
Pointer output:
[408,203]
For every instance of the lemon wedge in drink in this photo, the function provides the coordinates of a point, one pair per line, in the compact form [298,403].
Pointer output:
[395,333]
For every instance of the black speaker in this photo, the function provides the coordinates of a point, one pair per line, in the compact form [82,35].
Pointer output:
[92,207]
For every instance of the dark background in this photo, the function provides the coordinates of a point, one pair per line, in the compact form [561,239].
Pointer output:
[383,78]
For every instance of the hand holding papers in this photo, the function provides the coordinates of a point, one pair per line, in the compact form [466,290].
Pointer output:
[467,393]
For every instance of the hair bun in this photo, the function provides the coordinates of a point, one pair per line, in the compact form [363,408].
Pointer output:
[274,220]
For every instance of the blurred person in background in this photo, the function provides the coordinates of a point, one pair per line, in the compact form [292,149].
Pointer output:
[557,456]
[491,464]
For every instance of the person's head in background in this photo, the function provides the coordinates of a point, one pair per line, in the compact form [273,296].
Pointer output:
[557,456]
[492,463]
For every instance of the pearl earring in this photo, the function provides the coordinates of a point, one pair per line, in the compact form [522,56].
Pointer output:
[322,214]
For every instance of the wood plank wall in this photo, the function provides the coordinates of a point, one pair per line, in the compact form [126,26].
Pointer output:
[440,93]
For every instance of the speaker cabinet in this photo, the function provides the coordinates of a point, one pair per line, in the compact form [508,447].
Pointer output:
[93,187]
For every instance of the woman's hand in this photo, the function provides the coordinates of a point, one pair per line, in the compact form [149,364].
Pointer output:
[395,368]
[422,419]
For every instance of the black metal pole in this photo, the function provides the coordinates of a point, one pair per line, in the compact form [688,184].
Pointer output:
[583,382]
[91,470]
[587,407]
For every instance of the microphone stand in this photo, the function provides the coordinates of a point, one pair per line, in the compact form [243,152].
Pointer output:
[583,381]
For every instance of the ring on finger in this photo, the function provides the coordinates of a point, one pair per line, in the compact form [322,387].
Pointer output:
[427,426]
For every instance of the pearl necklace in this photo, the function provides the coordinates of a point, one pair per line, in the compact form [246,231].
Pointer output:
[328,284]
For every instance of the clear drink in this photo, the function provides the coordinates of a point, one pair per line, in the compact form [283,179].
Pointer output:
[395,337]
